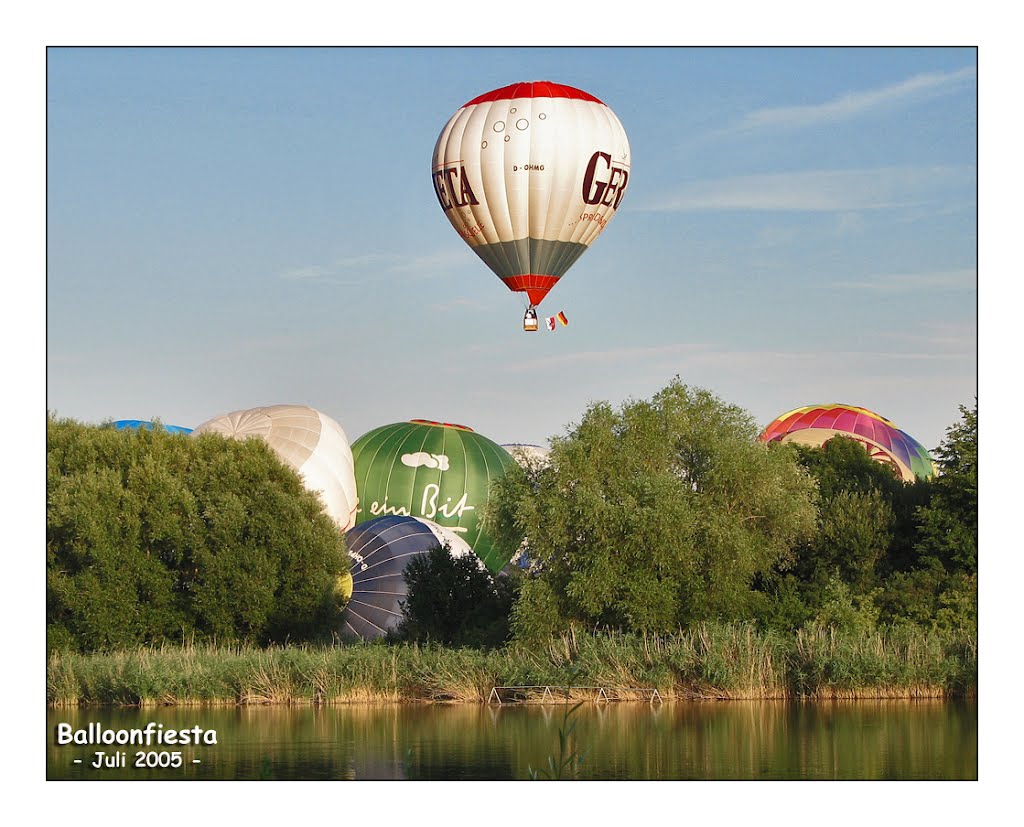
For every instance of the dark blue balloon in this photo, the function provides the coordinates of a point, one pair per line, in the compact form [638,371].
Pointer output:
[379,550]
[122,424]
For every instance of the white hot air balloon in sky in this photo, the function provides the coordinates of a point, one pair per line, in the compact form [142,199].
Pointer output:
[310,442]
[529,175]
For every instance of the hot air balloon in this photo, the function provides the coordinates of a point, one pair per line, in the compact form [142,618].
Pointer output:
[529,175]
[532,458]
[380,549]
[135,424]
[528,455]
[309,441]
[436,470]
[817,424]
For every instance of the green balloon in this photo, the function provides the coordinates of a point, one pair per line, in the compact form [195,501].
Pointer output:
[433,470]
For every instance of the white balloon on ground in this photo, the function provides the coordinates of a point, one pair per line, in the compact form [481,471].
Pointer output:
[456,545]
[529,456]
[307,440]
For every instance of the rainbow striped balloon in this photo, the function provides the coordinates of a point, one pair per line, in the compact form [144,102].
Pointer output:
[817,424]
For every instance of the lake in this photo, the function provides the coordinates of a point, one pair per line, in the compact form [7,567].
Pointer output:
[737,740]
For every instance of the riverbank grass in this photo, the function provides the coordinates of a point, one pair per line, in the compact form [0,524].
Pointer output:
[710,661]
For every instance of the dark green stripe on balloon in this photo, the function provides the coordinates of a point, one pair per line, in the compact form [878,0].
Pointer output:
[530,255]
[435,471]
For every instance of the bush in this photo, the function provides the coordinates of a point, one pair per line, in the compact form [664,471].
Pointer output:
[155,537]
[452,600]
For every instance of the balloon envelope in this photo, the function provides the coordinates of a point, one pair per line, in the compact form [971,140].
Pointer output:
[529,175]
[380,550]
[528,455]
[135,424]
[439,471]
[532,458]
[309,441]
[817,424]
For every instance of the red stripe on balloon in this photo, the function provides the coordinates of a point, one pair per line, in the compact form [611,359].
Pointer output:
[534,285]
[441,424]
[535,89]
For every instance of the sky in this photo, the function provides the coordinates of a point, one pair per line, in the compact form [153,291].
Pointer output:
[234,227]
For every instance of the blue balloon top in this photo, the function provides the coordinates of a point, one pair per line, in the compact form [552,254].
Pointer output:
[135,424]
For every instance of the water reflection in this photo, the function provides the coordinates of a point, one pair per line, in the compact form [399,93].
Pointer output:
[731,740]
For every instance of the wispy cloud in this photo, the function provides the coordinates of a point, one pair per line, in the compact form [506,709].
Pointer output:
[460,304]
[818,190]
[961,337]
[309,273]
[359,269]
[433,264]
[911,282]
[692,355]
[615,355]
[326,274]
[857,104]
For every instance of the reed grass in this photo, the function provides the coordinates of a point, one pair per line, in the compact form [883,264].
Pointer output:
[709,661]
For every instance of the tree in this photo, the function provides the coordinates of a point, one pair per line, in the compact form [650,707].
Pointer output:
[153,536]
[949,523]
[939,585]
[843,466]
[863,545]
[654,515]
[453,600]
[854,532]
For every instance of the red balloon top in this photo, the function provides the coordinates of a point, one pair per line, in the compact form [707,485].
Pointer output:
[535,89]
[442,424]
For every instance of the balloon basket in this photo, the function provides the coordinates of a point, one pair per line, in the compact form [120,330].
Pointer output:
[530,320]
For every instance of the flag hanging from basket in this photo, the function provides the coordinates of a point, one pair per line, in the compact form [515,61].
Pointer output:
[560,319]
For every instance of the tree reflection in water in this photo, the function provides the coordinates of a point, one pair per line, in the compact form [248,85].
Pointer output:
[699,741]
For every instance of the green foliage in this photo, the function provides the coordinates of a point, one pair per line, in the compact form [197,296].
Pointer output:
[834,574]
[885,551]
[853,534]
[652,516]
[931,597]
[157,537]
[665,512]
[855,517]
[453,601]
[949,522]
[937,583]
[843,608]
[843,465]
